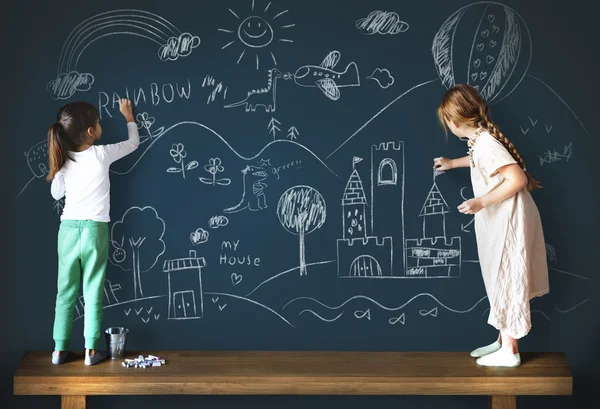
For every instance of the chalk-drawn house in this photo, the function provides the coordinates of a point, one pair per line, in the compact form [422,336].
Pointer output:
[358,254]
[433,255]
[185,287]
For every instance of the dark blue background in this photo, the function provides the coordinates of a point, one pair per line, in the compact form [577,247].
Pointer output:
[559,90]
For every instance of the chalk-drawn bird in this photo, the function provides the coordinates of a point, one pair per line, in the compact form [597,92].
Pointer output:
[325,78]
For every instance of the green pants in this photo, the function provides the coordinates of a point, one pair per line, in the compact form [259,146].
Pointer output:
[82,254]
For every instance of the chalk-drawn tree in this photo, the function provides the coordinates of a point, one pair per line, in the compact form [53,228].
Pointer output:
[137,243]
[301,210]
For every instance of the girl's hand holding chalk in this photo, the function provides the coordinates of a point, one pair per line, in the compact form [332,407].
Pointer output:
[126,109]
[442,163]
[471,206]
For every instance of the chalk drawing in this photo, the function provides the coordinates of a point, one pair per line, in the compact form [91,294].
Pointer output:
[324,77]
[273,127]
[499,55]
[251,158]
[178,154]
[214,166]
[553,156]
[236,279]
[199,236]
[379,113]
[218,88]
[301,210]
[218,221]
[265,97]
[293,133]
[253,190]
[257,31]
[185,287]
[363,314]
[172,43]
[237,297]
[382,22]
[145,121]
[382,77]
[401,319]
[383,307]
[321,318]
[139,226]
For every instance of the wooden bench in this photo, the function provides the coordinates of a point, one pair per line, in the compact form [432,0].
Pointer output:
[297,373]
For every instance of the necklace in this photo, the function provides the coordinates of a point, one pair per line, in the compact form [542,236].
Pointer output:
[471,143]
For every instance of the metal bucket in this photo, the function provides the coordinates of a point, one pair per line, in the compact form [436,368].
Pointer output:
[116,337]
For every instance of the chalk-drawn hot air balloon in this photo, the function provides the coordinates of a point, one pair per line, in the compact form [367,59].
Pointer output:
[486,45]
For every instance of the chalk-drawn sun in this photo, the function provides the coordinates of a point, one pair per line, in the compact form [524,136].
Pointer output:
[256,31]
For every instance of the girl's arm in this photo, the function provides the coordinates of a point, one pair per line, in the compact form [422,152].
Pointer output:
[57,189]
[118,150]
[514,180]
[447,164]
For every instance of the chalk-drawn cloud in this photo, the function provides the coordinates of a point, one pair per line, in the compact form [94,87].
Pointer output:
[382,22]
[65,85]
[176,47]
[382,77]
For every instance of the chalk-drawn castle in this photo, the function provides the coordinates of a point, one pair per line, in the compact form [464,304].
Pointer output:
[433,255]
[362,253]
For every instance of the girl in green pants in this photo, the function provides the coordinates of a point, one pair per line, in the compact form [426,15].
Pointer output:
[79,172]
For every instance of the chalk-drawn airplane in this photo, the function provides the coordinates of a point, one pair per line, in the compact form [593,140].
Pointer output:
[325,78]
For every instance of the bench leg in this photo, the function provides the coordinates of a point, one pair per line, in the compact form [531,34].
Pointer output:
[72,402]
[503,402]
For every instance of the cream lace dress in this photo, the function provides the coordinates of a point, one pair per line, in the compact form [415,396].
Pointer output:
[510,241]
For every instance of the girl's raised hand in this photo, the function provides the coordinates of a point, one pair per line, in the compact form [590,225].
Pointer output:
[126,109]
[442,163]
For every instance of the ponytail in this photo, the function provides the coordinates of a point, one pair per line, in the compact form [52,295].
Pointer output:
[57,151]
[493,129]
[464,104]
[68,133]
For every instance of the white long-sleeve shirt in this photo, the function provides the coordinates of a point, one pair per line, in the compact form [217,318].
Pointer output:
[84,182]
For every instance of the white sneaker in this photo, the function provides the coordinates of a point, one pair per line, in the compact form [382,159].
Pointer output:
[486,350]
[502,357]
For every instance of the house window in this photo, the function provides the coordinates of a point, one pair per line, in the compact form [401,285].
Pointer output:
[388,172]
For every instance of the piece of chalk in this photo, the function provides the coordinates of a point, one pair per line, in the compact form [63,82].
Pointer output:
[152,357]
[156,363]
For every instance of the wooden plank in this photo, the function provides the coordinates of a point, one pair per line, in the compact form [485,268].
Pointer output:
[72,402]
[503,402]
[296,373]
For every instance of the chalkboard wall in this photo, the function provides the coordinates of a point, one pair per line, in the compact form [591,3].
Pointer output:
[283,196]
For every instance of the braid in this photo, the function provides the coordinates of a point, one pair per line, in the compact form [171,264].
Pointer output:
[493,129]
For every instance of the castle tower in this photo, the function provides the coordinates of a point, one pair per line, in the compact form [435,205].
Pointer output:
[354,208]
[387,197]
[433,213]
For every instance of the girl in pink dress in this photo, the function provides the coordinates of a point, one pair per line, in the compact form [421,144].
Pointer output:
[508,228]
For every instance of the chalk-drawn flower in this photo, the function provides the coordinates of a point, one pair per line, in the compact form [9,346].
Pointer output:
[144,121]
[178,152]
[214,166]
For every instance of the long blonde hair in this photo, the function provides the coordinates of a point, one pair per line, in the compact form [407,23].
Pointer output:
[68,133]
[463,104]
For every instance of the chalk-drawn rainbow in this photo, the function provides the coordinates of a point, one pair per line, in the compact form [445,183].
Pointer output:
[171,41]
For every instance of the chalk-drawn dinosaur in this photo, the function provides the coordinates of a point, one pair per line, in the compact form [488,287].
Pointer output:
[254,199]
[264,96]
